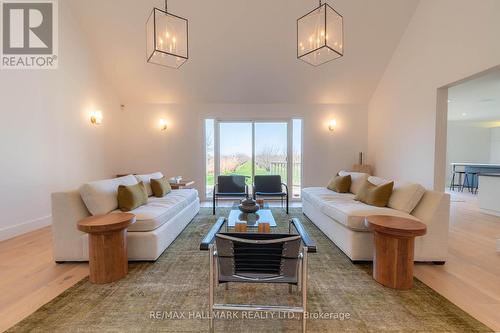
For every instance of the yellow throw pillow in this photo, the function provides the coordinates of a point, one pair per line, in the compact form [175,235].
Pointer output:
[375,195]
[161,187]
[340,184]
[132,196]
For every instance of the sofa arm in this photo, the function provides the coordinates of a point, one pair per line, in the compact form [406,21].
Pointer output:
[67,209]
[432,205]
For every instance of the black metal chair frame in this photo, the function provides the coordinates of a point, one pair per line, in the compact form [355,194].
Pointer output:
[458,185]
[297,261]
[281,197]
[217,195]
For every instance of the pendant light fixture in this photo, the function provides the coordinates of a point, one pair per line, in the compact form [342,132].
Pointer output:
[167,38]
[320,35]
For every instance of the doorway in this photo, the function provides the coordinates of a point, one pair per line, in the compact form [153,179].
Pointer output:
[254,147]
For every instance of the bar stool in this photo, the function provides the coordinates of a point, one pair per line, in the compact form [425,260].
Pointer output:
[458,185]
[471,182]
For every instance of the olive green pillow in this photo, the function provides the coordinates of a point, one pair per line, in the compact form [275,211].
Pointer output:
[340,184]
[132,196]
[375,195]
[161,187]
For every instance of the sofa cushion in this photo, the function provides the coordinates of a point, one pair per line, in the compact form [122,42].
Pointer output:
[340,184]
[100,196]
[378,181]
[146,179]
[132,196]
[406,196]
[351,213]
[319,196]
[158,211]
[375,195]
[357,180]
[160,187]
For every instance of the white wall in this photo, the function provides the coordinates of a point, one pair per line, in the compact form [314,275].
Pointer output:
[446,40]
[495,145]
[180,150]
[466,143]
[47,142]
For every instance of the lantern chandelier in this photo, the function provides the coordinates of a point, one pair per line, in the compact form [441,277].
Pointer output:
[320,35]
[167,38]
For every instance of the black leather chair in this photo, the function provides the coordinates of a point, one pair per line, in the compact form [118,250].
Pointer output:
[258,258]
[270,186]
[229,187]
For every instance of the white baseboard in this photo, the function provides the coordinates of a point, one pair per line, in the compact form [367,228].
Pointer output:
[489,211]
[22,228]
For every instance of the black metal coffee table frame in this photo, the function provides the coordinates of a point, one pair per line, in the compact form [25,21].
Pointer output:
[306,239]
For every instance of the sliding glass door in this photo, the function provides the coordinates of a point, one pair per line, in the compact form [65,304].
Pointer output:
[271,149]
[252,148]
[235,149]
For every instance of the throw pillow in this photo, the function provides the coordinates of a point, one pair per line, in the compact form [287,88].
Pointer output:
[374,195]
[100,196]
[340,184]
[146,179]
[131,197]
[357,180]
[161,187]
[406,196]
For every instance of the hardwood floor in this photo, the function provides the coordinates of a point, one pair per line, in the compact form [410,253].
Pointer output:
[29,277]
[471,276]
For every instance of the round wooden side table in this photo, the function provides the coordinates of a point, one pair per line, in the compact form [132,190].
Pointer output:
[108,259]
[394,246]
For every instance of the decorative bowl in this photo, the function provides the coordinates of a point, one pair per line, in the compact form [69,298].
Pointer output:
[248,206]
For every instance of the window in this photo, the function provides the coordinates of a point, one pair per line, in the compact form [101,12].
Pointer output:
[209,157]
[250,148]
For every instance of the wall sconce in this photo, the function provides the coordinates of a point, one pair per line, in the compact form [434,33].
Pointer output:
[163,124]
[96,118]
[332,124]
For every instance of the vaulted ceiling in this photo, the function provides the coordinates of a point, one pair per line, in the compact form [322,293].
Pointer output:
[243,51]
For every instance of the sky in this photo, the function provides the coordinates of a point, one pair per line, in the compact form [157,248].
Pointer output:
[236,138]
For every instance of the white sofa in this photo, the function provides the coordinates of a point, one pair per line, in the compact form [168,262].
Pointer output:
[341,218]
[157,224]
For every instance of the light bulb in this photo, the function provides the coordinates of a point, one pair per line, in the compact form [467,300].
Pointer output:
[332,124]
[163,124]
[96,117]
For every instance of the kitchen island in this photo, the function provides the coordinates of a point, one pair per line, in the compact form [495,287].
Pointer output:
[489,196]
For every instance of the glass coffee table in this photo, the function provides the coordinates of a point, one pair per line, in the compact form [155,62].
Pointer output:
[263,215]
[252,219]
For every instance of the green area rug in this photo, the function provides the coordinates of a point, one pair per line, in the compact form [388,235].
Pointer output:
[171,295]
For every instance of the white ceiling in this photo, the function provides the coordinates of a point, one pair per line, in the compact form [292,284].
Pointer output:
[476,100]
[243,51]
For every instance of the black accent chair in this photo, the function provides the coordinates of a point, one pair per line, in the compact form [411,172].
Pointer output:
[270,186]
[258,258]
[229,187]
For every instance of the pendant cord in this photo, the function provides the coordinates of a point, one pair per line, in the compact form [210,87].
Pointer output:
[166,6]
